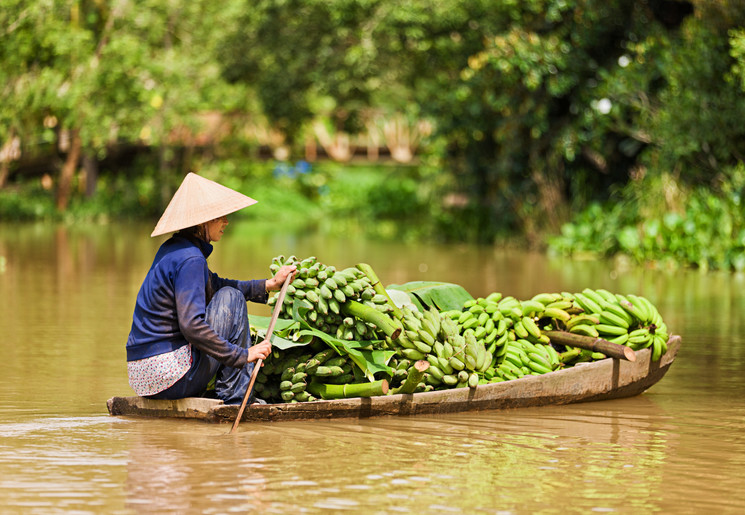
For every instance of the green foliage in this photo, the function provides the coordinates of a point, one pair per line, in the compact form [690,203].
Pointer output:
[302,56]
[429,294]
[29,204]
[658,219]
[541,108]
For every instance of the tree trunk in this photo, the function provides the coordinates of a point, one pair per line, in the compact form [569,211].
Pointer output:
[10,150]
[90,165]
[68,170]
[4,171]
[165,156]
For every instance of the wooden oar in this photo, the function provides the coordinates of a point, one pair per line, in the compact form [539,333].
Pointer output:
[257,365]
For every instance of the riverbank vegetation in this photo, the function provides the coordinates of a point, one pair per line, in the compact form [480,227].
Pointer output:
[581,126]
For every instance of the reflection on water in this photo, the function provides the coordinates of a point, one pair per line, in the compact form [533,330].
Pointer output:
[67,296]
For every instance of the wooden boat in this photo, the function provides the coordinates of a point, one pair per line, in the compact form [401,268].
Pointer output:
[594,381]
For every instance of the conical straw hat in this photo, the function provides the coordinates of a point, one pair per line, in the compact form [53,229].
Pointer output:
[199,200]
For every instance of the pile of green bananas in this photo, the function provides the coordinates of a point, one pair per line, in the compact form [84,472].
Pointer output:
[521,358]
[490,339]
[286,375]
[455,360]
[627,320]
[325,290]
[624,319]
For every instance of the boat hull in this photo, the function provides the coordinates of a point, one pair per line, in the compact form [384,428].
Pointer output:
[594,381]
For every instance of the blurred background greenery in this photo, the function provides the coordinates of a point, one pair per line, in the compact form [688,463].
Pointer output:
[581,127]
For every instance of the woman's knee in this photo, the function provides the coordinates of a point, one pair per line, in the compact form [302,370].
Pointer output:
[227,313]
[228,296]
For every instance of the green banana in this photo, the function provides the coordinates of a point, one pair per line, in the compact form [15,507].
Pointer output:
[611,330]
[538,367]
[287,374]
[448,350]
[594,296]
[422,346]
[532,308]
[470,362]
[569,354]
[557,314]
[456,363]
[554,355]
[470,303]
[610,318]
[629,307]
[582,319]
[285,385]
[563,304]
[413,354]
[473,380]
[340,296]
[659,347]
[325,291]
[491,308]
[482,318]
[640,306]
[546,298]
[465,316]
[444,365]
[588,305]
[619,311]
[651,309]
[470,323]
[620,340]
[429,328]
[450,380]
[585,330]
[539,358]
[520,330]
[494,297]
[639,335]
[426,337]
[298,387]
[531,327]
[435,372]
[607,296]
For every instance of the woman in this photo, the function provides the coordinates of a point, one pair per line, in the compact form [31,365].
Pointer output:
[189,325]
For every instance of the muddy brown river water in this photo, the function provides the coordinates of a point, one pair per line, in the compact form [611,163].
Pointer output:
[66,297]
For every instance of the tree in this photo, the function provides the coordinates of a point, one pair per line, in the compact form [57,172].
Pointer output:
[99,75]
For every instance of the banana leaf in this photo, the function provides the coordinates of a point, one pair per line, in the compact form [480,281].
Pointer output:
[425,294]
[286,333]
[370,361]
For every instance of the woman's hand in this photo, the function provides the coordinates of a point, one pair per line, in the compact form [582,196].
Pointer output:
[275,283]
[259,350]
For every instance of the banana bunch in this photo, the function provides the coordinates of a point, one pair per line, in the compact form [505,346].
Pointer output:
[573,355]
[455,360]
[496,320]
[421,331]
[458,360]
[623,319]
[324,290]
[286,374]
[521,358]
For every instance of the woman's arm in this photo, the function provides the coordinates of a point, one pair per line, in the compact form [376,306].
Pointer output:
[276,282]
[256,290]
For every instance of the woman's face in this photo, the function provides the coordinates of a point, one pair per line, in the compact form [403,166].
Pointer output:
[214,228]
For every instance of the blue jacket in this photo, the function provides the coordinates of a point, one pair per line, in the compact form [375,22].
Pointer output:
[171,304]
